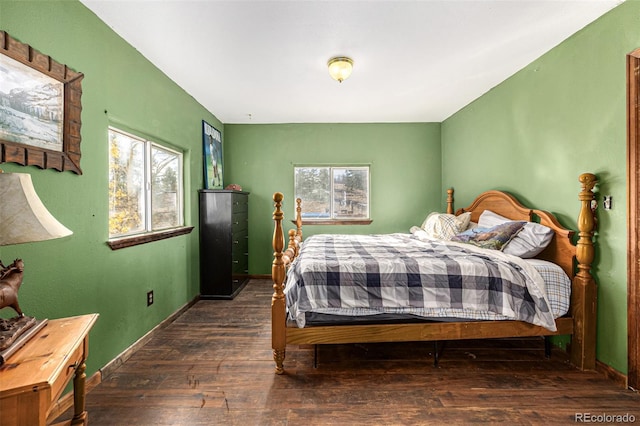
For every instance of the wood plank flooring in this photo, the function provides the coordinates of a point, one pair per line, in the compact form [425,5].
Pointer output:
[214,366]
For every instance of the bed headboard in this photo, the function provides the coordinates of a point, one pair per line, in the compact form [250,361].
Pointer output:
[561,250]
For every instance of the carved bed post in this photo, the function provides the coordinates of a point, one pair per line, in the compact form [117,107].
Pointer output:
[450,200]
[278,308]
[299,218]
[584,290]
[293,245]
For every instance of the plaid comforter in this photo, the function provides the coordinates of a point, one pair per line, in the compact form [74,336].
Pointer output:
[395,273]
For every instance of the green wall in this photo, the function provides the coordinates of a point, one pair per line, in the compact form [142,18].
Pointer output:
[563,115]
[81,274]
[405,173]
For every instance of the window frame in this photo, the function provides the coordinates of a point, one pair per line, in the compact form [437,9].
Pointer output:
[180,186]
[333,220]
[148,234]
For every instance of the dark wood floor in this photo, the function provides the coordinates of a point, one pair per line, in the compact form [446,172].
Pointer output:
[213,365]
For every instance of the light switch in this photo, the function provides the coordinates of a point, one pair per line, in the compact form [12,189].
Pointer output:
[606,202]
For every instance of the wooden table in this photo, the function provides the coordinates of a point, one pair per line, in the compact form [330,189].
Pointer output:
[33,379]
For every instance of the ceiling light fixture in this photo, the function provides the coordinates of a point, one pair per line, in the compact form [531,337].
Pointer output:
[340,68]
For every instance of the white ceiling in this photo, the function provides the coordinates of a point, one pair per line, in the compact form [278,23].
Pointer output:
[414,61]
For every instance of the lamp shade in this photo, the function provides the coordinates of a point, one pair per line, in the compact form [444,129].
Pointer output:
[23,217]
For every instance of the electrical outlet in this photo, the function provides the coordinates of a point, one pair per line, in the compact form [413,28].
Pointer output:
[150,298]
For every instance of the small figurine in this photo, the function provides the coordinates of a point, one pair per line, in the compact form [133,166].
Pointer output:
[233,187]
[10,281]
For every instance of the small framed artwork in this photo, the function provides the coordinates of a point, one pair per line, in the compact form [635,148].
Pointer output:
[40,109]
[212,148]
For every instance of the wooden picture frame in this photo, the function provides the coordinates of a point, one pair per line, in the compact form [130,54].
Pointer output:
[63,154]
[212,151]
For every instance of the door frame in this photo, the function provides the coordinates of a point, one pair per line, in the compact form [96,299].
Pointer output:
[633,217]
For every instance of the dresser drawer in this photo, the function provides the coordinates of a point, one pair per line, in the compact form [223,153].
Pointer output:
[239,244]
[240,254]
[240,266]
[239,221]
[239,204]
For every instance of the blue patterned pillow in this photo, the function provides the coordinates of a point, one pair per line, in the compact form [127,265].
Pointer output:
[494,238]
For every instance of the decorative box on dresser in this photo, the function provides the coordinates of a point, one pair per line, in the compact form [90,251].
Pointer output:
[224,243]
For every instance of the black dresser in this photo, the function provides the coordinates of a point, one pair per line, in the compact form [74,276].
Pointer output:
[224,243]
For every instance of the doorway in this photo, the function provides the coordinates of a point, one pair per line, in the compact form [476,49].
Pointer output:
[633,224]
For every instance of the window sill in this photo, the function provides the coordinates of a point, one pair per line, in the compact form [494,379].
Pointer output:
[335,222]
[135,240]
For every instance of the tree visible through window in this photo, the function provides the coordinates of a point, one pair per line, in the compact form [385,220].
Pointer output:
[333,193]
[145,186]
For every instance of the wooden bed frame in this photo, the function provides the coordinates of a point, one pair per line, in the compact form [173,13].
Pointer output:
[580,322]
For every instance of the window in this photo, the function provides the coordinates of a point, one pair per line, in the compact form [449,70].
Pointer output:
[333,193]
[145,186]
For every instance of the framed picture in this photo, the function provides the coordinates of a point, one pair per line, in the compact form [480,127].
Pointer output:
[212,148]
[40,109]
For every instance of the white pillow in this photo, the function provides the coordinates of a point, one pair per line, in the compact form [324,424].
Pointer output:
[490,219]
[530,241]
[444,226]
